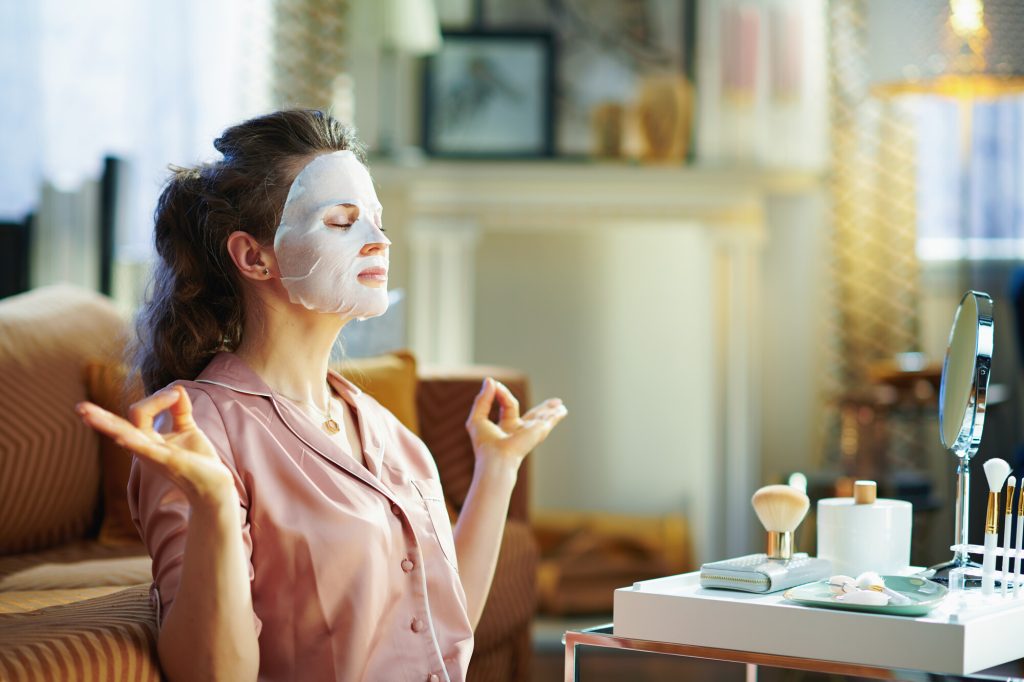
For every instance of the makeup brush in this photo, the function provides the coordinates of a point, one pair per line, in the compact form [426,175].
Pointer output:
[996,471]
[1011,484]
[1017,561]
[780,508]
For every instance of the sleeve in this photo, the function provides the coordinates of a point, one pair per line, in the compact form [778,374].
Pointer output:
[161,511]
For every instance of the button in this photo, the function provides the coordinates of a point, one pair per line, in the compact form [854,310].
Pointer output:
[407,565]
[433,678]
[418,625]
[395,509]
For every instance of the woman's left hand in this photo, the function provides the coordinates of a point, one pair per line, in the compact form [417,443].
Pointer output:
[513,437]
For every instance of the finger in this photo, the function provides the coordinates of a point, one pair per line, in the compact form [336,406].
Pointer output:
[145,411]
[181,411]
[551,417]
[482,403]
[508,415]
[548,418]
[121,431]
[526,439]
[143,446]
[547,405]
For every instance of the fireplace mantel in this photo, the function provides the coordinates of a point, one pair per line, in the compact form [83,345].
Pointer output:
[549,195]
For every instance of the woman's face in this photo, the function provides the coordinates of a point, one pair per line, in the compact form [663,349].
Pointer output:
[330,248]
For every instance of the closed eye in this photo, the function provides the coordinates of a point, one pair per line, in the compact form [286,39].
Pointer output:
[341,216]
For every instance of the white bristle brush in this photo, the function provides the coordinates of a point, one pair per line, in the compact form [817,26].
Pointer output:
[1011,484]
[996,471]
[780,508]
[1017,560]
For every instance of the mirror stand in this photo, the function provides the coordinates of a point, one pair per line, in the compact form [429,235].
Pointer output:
[961,558]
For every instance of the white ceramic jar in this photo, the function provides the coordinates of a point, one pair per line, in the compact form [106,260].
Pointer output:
[862,533]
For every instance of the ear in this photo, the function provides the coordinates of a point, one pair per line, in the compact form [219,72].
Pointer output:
[253,260]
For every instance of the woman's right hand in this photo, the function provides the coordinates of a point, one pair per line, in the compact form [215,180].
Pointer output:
[184,454]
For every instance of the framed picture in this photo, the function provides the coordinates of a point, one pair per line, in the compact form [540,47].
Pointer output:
[605,50]
[490,94]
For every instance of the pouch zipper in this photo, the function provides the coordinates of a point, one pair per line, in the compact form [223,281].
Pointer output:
[735,579]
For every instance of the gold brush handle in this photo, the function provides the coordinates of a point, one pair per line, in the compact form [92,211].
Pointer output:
[780,545]
[992,513]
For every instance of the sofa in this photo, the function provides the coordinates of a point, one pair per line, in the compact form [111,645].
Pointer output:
[74,577]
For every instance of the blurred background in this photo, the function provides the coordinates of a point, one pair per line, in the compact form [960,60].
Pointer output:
[730,234]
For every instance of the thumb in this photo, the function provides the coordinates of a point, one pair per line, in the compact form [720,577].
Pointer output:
[481,409]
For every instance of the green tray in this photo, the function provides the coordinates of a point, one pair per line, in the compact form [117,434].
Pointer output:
[925,594]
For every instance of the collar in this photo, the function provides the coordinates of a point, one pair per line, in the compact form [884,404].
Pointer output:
[228,370]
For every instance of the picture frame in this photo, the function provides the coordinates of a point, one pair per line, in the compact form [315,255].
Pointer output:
[490,94]
[604,48]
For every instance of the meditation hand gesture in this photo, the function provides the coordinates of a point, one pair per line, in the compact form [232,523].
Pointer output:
[184,455]
[513,437]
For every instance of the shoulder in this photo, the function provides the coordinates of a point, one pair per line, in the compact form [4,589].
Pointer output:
[207,402]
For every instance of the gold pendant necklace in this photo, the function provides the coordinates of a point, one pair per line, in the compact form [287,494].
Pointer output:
[330,425]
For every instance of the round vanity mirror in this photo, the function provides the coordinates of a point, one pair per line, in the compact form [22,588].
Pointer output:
[965,376]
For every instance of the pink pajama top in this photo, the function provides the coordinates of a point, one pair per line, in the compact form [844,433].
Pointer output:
[352,568]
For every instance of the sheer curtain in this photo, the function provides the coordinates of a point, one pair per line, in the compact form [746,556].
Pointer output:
[970,205]
[150,82]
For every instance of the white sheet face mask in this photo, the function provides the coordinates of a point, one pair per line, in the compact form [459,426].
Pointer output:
[320,263]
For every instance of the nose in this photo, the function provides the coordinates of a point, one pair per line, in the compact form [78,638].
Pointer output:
[376,244]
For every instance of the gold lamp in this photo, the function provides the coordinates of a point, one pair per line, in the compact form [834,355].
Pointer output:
[965,71]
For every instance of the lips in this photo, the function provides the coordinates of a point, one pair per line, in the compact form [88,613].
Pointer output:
[375,273]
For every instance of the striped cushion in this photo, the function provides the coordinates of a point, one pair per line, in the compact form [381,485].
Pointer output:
[93,634]
[49,459]
[75,565]
[512,600]
[443,400]
[106,386]
[28,601]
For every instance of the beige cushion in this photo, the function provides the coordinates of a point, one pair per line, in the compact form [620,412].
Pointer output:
[391,380]
[85,563]
[49,458]
[96,634]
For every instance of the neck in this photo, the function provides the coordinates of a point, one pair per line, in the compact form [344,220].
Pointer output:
[290,348]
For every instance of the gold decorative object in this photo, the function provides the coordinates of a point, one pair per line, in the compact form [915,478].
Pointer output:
[663,117]
[607,122]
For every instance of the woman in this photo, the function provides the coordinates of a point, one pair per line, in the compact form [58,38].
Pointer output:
[297,529]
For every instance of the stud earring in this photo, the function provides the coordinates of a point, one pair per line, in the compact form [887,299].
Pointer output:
[266,272]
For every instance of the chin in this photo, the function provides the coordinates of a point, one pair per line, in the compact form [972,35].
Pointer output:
[366,315]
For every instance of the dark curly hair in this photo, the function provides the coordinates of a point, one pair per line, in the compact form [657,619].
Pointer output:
[195,307]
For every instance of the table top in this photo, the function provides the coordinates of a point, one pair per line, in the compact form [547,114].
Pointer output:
[964,635]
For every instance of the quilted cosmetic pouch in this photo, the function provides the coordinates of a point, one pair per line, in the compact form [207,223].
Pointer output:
[758,573]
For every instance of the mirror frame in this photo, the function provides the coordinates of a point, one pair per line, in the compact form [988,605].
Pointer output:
[973,421]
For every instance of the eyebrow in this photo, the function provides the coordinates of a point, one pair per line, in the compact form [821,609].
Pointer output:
[328,205]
